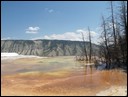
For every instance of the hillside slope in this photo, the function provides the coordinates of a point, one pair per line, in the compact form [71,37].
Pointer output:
[46,47]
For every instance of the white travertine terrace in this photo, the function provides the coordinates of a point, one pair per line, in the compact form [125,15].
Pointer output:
[14,55]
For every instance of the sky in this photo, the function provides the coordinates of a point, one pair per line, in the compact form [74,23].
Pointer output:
[62,20]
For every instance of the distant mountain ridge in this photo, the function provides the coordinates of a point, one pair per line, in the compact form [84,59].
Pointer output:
[46,47]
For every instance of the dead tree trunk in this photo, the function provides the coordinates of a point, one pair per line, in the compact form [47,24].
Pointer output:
[116,55]
[90,55]
[107,53]
[85,52]
[123,17]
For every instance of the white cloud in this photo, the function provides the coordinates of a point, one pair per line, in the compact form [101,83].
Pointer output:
[64,36]
[73,36]
[49,10]
[32,30]
[6,38]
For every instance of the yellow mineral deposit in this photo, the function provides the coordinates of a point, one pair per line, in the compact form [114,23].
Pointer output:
[59,76]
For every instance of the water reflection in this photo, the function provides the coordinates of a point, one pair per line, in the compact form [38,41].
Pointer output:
[95,75]
[88,68]
[89,71]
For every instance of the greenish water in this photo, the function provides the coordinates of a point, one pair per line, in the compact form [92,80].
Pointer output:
[45,65]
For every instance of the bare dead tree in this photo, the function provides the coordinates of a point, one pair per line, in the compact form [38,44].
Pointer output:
[116,52]
[114,44]
[107,53]
[90,54]
[85,51]
[123,16]
[120,42]
[123,24]
[113,25]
